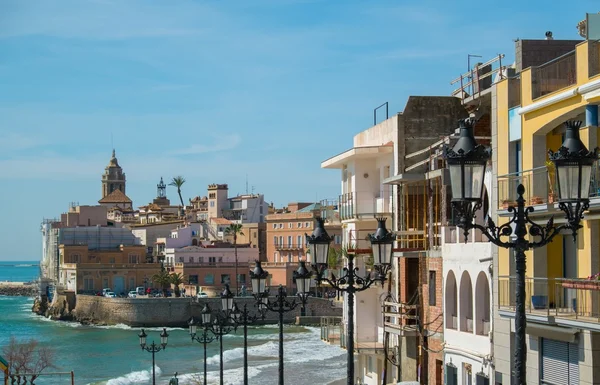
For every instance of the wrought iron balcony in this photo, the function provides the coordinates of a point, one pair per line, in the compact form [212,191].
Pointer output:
[357,205]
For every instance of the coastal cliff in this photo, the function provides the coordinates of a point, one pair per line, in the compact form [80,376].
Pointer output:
[148,312]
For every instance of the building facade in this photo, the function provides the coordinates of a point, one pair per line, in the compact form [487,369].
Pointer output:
[561,305]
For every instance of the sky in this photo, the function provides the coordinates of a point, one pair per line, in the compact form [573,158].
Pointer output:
[220,91]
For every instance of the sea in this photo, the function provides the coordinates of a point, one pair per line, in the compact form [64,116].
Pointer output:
[111,355]
[19,271]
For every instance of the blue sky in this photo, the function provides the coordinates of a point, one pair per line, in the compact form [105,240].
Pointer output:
[217,90]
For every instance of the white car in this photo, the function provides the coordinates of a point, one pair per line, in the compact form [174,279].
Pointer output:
[202,295]
[110,294]
[132,294]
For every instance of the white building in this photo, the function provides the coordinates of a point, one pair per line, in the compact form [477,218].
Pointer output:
[468,303]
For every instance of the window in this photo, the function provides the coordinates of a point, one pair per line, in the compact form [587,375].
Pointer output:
[289,257]
[274,225]
[432,288]
[193,279]
[371,364]
[191,259]
[225,279]
[307,225]
[209,279]
[111,260]
[289,240]
[299,225]
[180,259]
[220,259]
[212,203]
[275,240]
[299,240]
[281,240]
[451,375]
[281,225]
[133,258]
[74,258]
[88,284]
[290,225]
[467,378]
[200,259]
[338,239]
[559,362]
[481,379]
[241,278]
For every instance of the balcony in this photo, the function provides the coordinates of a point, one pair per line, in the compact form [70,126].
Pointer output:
[560,301]
[289,246]
[400,318]
[540,186]
[357,205]
[554,75]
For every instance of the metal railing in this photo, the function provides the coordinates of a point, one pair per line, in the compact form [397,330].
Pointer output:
[540,187]
[562,298]
[280,246]
[554,75]
[356,205]
[479,78]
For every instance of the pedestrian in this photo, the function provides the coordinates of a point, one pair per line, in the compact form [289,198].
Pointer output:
[174,380]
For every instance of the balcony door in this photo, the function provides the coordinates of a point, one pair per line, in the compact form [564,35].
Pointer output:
[569,270]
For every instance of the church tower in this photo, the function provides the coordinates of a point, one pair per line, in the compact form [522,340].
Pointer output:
[113,177]
[161,194]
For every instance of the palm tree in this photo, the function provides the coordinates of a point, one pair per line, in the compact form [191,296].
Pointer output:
[178,181]
[163,279]
[235,230]
[176,279]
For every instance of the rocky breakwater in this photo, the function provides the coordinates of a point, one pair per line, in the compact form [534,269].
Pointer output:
[18,289]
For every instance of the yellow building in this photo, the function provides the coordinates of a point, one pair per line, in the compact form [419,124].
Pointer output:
[563,308]
[121,269]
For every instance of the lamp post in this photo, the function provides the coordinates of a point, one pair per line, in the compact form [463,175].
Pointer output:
[154,348]
[281,304]
[467,162]
[243,317]
[223,324]
[382,244]
[207,336]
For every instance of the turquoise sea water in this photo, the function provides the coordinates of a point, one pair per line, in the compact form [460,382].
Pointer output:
[19,271]
[112,356]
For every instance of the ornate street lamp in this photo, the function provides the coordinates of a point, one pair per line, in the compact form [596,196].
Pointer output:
[382,244]
[303,278]
[280,305]
[154,348]
[206,337]
[243,317]
[467,161]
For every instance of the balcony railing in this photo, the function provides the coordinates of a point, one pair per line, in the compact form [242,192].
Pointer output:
[356,205]
[289,246]
[540,186]
[565,299]
[554,75]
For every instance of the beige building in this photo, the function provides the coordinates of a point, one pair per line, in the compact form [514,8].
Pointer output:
[86,270]
[286,232]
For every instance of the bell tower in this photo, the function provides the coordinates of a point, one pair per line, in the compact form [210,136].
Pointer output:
[113,177]
[161,194]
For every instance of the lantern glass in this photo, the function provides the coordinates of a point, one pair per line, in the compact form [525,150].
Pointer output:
[303,285]
[206,315]
[573,181]
[143,336]
[470,175]
[456,176]
[382,252]
[164,337]
[193,326]
[259,285]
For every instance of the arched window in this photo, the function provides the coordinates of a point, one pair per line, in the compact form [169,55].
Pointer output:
[482,305]
[451,302]
[466,303]
[194,242]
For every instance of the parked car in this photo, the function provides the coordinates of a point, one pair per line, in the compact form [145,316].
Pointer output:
[140,290]
[110,294]
[202,295]
[132,294]
[106,290]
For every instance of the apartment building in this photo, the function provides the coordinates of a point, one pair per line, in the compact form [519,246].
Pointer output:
[286,232]
[383,176]
[563,83]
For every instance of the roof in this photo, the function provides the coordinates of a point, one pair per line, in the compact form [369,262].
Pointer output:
[152,206]
[220,221]
[116,196]
[363,152]
[310,208]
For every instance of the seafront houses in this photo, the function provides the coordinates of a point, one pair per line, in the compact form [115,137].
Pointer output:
[286,231]
[561,302]
[383,176]
[87,269]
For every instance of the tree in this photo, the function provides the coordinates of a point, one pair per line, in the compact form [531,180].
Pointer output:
[28,358]
[235,229]
[163,279]
[177,279]
[178,181]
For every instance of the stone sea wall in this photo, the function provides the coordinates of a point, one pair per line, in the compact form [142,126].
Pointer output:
[18,290]
[173,312]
